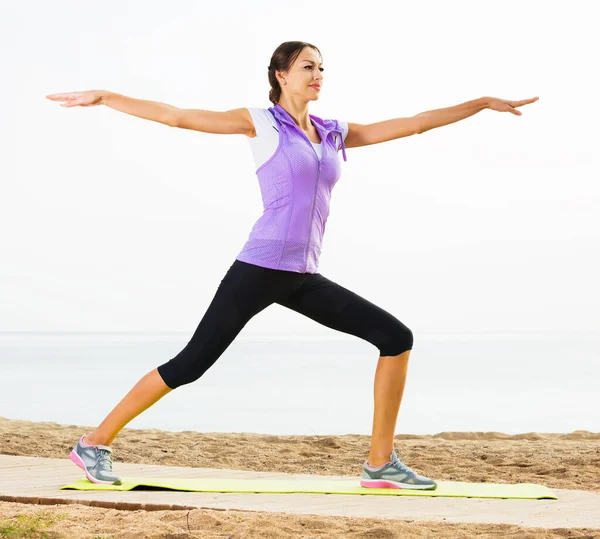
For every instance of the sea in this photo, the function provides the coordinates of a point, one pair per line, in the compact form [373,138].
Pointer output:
[288,384]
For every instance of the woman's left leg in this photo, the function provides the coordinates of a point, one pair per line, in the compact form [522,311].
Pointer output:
[336,307]
[390,378]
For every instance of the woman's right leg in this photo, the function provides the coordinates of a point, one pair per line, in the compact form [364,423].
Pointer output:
[244,291]
[150,389]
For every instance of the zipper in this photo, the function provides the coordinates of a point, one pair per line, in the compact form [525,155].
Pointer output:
[316,185]
[312,212]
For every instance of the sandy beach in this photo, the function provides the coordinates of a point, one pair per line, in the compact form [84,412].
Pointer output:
[569,461]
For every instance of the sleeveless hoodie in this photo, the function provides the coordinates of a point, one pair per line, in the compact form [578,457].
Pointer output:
[296,190]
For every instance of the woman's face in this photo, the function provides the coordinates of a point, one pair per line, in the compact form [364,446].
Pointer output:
[305,73]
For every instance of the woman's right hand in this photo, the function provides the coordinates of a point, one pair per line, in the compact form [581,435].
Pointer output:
[89,98]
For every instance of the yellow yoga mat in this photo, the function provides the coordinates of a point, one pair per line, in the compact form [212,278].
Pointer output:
[528,491]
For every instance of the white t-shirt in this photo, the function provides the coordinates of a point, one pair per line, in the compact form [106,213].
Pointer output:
[266,140]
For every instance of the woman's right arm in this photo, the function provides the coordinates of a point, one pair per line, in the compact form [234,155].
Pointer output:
[236,121]
[148,110]
[229,122]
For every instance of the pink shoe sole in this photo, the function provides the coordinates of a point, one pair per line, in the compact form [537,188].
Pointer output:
[378,483]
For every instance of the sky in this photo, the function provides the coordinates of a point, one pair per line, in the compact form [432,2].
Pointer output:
[114,223]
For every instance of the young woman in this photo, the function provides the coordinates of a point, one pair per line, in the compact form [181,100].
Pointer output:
[298,164]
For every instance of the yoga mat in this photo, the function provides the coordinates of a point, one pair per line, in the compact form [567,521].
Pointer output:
[528,491]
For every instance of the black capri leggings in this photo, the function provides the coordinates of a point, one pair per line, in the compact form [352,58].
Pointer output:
[247,289]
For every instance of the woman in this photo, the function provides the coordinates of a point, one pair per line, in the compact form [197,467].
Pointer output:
[297,160]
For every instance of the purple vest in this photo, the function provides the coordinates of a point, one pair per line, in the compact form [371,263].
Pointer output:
[296,189]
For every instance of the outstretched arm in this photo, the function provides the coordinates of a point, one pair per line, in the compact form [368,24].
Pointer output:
[363,135]
[438,117]
[236,121]
[148,110]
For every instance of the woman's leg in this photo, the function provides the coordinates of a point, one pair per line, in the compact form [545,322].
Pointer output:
[336,307]
[244,291]
[390,378]
[150,389]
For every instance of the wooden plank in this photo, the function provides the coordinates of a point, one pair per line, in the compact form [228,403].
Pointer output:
[40,479]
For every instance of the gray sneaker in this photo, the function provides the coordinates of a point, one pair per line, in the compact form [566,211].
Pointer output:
[395,474]
[95,461]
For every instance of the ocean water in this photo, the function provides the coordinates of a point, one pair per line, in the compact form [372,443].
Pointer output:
[291,384]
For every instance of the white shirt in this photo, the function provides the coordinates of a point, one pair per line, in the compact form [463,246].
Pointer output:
[266,140]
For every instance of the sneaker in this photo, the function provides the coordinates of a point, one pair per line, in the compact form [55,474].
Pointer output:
[394,474]
[95,461]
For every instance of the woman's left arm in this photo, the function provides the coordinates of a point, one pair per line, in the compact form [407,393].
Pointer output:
[438,117]
[364,135]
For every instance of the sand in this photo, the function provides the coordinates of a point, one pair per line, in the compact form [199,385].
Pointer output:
[570,461]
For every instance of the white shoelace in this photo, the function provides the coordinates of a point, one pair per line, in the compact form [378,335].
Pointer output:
[104,459]
[396,463]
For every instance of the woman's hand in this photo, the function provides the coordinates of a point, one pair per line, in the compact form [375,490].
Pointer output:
[504,105]
[89,98]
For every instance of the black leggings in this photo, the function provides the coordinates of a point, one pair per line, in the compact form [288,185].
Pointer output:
[247,289]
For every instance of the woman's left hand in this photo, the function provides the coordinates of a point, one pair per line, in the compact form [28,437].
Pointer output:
[504,105]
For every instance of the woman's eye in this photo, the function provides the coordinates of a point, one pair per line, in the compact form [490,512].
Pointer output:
[320,69]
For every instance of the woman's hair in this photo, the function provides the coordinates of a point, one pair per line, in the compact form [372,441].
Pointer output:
[283,58]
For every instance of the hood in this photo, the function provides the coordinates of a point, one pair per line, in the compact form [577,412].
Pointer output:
[323,126]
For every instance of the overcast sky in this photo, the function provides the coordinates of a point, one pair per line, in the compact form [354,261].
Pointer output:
[114,223]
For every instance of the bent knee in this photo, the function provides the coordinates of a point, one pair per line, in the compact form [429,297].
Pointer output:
[396,342]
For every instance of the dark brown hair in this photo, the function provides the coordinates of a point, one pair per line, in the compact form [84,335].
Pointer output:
[283,58]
